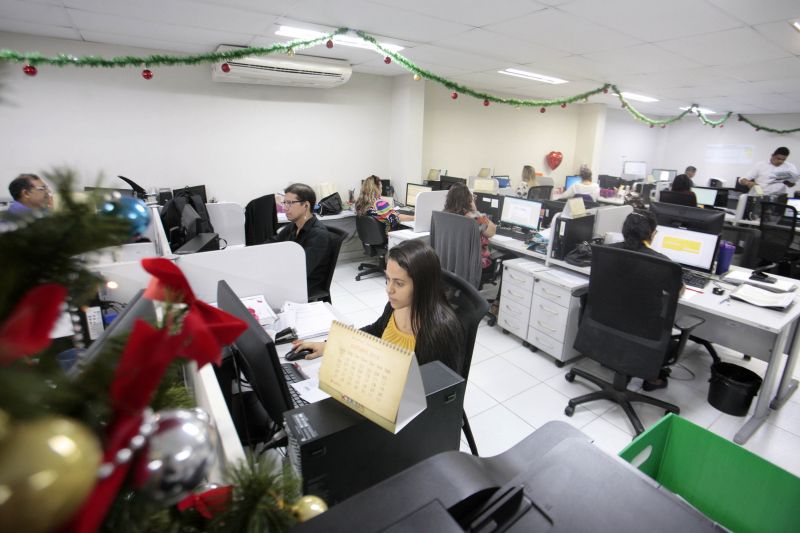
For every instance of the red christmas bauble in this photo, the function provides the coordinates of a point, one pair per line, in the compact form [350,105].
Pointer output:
[651,125]
[329,44]
[564,106]
[542,110]
[147,74]
[663,126]
[30,70]
[225,67]
[605,91]
[486,103]
[387,60]
[722,125]
[454,95]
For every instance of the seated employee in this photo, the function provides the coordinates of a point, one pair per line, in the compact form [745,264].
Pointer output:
[461,202]
[307,231]
[370,203]
[528,180]
[30,195]
[683,184]
[584,188]
[417,316]
[638,231]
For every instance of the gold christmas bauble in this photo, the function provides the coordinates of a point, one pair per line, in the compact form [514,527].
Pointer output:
[308,507]
[48,467]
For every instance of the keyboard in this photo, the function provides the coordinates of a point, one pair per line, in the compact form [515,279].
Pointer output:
[405,210]
[292,375]
[508,231]
[693,279]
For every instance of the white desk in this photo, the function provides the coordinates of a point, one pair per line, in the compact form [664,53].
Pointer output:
[614,200]
[401,235]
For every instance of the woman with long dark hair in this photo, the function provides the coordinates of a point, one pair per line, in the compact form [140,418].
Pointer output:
[417,316]
[683,184]
[461,202]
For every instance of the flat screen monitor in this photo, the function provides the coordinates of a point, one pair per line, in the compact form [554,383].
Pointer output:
[449,181]
[607,182]
[662,174]
[521,212]
[199,190]
[571,180]
[692,249]
[412,190]
[794,202]
[434,185]
[489,205]
[692,218]
[108,190]
[503,181]
[257,356]
[705,195]
[549,210]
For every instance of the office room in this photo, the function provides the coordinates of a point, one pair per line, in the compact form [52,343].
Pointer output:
[710,84]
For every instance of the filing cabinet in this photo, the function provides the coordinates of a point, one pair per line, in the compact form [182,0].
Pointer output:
[555,312]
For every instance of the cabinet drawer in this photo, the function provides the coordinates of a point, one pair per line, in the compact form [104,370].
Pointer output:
[552,293]
[521,280]
[513,317]
[516,294]
[545,343]
[549,317]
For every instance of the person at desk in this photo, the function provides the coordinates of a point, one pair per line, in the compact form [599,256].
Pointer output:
[772,176]
[417,316]
[528,181]
[30,194]
[690,172]
[307,231]
[584,188]
[683,185]
[461,202]
[638,231]
[370,203]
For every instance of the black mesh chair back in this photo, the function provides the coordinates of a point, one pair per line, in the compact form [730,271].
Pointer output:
[338,237]
[746,241]
[540,192]
[630,311]
[778,222]
[470,307]
[679,198]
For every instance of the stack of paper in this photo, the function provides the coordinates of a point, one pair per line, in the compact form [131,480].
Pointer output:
[738,277]
[308,319]
[761,298]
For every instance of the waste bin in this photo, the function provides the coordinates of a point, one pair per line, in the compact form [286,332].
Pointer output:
[732,388]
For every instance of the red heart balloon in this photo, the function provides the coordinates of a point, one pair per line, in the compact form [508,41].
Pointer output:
[554,159]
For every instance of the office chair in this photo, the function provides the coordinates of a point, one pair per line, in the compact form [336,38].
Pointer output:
[679,198]
[715,183]
[540,192]
[372,233]
[627,325]
[338,237]
[470,307]
[777,226]
[545,180]
[260,220]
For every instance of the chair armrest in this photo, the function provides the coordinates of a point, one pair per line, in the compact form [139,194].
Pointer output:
[687,323]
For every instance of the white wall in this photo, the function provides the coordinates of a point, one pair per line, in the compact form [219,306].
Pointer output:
[180,128]
[405,141]
[462,136]
[627,139]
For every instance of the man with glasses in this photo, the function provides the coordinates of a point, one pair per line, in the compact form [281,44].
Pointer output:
[307,231]
[29,193]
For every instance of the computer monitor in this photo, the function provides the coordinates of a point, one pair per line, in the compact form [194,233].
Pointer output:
[794,202]
[503,181]
[661,174]
[483,185]
[434,185]
[199,190]
[521,212]
[634,170]
[257,357]
[705,195]
[645,190]
[691,218]
[691,249]
[489,205]
[571,180]
[549,209]
[102,191]
[386,188]
[412,190]
[607,182]
[449,181]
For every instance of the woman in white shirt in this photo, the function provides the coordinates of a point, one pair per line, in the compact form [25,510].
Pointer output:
[584,187]
[528,181]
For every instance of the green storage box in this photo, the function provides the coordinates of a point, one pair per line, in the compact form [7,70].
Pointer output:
[726,482]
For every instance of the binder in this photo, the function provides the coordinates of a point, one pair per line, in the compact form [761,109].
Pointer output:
[375,378]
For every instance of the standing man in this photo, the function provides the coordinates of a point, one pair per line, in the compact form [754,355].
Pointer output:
[690,172]
[29,193]
[773,176]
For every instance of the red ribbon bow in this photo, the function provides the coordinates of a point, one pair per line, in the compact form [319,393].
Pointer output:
[26,331]
[209,503]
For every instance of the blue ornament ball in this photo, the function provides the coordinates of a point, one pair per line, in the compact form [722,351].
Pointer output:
[130,209]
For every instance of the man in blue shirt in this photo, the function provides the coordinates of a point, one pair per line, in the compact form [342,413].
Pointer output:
[29,193]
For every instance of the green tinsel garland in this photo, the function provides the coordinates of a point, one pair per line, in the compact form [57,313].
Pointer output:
[35,58]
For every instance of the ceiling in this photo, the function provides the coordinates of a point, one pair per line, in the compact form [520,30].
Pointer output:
[737,55]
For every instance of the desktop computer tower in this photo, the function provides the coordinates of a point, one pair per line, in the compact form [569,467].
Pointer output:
[338,452]
[569,232]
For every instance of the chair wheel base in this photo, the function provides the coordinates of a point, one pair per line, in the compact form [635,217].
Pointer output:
[505,331]
[569,376]
[559,364]
[569,410]
[492,321]
[533,348]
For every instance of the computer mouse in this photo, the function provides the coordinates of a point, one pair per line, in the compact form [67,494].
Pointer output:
[295,354]
[718,291]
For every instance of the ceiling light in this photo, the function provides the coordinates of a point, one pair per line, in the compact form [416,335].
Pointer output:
[796,25]
[344,40]
[702,110]
[638,97]
[532,76]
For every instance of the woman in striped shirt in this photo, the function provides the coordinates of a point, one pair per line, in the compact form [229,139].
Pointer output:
[370,203]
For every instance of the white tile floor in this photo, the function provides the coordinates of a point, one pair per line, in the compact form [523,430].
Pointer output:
[512,391]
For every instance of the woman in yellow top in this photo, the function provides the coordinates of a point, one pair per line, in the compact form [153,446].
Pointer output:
[417,316]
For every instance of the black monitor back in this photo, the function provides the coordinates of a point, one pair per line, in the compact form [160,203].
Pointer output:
[608,182]
[199,190]
[483,203]
[448,181]
[692,218]
[549,209]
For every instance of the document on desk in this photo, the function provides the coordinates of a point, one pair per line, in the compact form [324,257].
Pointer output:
[738,277]
[762,298]
[309,320]
[501,238]
[374,378]
[309,390]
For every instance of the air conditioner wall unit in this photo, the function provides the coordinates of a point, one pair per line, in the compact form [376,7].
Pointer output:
[281,69]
